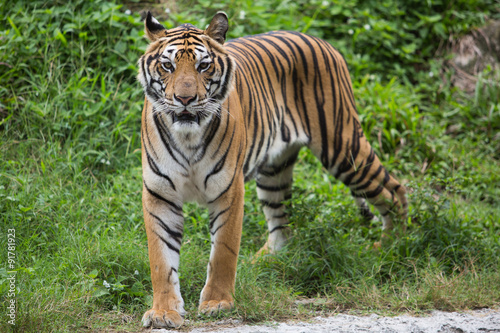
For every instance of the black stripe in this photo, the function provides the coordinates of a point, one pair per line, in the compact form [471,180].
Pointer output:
[256,68]
[170,246]
[348,179]
[146,134]
[236,170]
[217,168]
[299,94]
[368,182]
[230,249]
[183,36]
[278,188]
[207,138]
[280,227]
[319,99]
[176,209]
[352,151]
[269,204]
[223,138]
[369,194]
[289,42]
[212,221]
[163,131]
[367,168]
[174,234]
[224,89]
[274,170]
[220,226]
[156,170]
[170,273]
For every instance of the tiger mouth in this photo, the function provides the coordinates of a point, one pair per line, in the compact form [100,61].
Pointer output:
[186,116]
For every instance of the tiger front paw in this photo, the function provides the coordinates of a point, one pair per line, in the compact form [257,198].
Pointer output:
[212,308]
[162,318]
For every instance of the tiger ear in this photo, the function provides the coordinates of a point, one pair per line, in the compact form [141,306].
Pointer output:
[218,27]
[153,29]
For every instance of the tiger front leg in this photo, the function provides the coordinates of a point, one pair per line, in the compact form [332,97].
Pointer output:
[164,227]
[226,218]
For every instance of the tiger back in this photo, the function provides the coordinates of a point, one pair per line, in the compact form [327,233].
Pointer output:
[217,114]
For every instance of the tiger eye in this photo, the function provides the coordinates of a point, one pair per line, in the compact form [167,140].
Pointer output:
[204,65]
[167,66]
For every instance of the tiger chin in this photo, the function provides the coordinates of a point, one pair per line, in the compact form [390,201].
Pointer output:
[219,113]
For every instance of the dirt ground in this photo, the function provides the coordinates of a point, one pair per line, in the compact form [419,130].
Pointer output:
[484,320]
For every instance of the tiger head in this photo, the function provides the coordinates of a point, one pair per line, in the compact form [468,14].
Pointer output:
[186,73]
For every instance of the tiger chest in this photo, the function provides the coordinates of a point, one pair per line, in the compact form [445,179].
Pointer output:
[202,183]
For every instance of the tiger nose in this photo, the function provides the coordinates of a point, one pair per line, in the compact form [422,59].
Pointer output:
[185,100]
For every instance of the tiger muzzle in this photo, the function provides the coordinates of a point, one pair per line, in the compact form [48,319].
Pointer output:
[186,116]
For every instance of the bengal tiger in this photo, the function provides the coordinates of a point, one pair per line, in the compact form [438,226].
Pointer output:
[217,114]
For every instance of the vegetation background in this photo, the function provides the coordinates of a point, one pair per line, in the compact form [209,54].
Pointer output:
[70,176]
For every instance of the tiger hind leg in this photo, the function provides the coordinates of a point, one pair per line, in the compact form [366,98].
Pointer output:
[274,183]
[370,182]
[364,210]
[389,198]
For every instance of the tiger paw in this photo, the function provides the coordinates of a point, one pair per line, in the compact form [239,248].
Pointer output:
[162,318]
[212,308]
[263,252]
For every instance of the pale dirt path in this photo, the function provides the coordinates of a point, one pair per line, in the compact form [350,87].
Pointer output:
[478,321]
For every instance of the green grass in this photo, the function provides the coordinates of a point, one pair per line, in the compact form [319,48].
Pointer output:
[70,176]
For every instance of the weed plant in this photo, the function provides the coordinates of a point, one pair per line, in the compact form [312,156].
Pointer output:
[70,177]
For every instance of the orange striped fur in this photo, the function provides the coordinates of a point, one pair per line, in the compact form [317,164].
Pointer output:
[218,113]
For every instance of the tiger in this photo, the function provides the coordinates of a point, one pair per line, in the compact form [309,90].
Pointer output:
[217,114]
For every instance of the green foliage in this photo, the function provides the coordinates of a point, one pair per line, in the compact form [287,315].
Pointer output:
[60,84]
[391,116]
[389,37]
[70,178]
[476,116]
[437,234]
